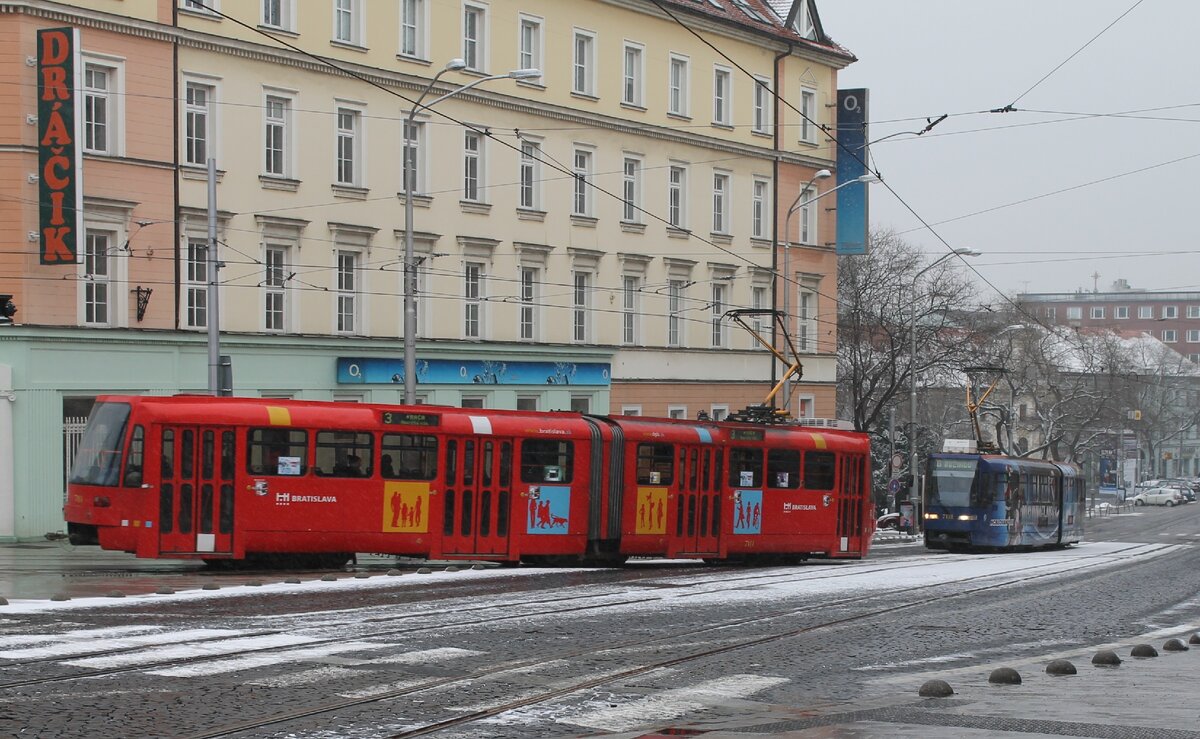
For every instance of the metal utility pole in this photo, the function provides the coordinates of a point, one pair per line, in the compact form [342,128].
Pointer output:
[214,303]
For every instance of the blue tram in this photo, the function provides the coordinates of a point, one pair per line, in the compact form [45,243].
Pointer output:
[987,501]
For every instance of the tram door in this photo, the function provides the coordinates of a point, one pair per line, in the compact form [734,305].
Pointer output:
[478,496]
[698,514]
[195,497]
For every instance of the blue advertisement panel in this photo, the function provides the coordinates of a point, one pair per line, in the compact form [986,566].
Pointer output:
[747,512]
[549,509]
[852,205]
[383,371]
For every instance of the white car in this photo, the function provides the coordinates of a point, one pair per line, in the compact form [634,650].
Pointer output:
[1166,495]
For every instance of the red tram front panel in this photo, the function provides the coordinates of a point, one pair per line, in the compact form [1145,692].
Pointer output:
[196,490]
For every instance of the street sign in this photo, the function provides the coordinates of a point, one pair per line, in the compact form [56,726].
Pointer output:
[897,461]
[894,486]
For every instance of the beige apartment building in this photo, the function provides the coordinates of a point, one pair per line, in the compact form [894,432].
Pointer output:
[578,234]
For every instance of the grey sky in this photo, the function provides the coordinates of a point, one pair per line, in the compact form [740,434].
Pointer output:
[924,58]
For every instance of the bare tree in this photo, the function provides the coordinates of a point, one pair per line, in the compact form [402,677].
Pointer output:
[878,293]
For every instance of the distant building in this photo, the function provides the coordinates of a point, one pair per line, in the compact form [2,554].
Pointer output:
[1171,317]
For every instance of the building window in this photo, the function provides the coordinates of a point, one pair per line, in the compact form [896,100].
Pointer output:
[347,21]
[631,410]
[1193,311]
[529,55]
[348,146]
[677,411]
[762,105]
[631,90]
[531,175]
[197,283]
[760,324]
[677,86]
[474,46]
[1193,336]
[806,406]
[806,321]
[100,106]
[722,96]
[1097,311]
[582,202]
[198,120]
[277,14]
[1145,311]
[412,28]
[1074,313]
[808,217]
[631,191]
[473,166]
[677,197]
[529,287]
[808,116]
[201,6]
[1170,311]
[579,301]
[718,412]
[347,292]
[674,307]
[629,304]
[1051,313]
[758,215]
[720,212]
[277,114]
[527,403]
[411,169]
[274,284]
[1121,311]
[581,404]
[1169,336]
[473,300]
[718,311]
[583,80]
[97,276]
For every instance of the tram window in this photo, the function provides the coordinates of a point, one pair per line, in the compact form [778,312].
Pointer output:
[718,475]
[745,467]
[409,457]
[207,454]
[98,460]
[167,465]
[488,460]
[136,458]
[783,468]
[468,467]
[344,454]
[655,464]
[275,451]
[505,466]
[227,455]
[693,473]
[547,460]
[451,462]
[187,454]
[705,469]
[819,468]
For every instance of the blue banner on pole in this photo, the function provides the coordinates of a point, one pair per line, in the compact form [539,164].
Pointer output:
[852,205]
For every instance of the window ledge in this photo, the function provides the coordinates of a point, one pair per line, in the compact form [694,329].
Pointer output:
[633,228]
[766,134]
[471,206]
[723,126]
[413,59]
[198,13]
[761,243]
[679,116]
[810,144]
[531,84]
[531,214]
[419,201]
[279,31]
[633,106]
[678,233]
[585,96]
[350,191]
[723,239]
[348,45]
[271,182]
[196,172]
[583,221]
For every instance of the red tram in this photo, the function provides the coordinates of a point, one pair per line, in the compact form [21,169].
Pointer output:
[235,479]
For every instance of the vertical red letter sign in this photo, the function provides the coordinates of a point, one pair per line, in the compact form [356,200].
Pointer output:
[60,189]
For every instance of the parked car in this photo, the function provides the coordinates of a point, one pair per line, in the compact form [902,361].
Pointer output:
[1162,495]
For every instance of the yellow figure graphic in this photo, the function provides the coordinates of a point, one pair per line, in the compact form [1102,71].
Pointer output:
[406,507]
[651,511]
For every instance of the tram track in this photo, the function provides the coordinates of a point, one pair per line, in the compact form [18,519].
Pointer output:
[733,584]
[908,594]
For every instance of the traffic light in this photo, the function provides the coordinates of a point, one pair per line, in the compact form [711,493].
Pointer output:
[7,309]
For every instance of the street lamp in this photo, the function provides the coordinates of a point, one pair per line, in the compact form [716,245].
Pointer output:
[963,251]
[821,174]
[410,176]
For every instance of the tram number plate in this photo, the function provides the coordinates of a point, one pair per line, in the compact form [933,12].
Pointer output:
[393,418]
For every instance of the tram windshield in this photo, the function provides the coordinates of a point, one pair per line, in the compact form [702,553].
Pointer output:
[98,459]
[950,481]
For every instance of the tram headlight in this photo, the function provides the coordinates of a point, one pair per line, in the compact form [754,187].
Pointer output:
[967,517]
[931,516]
